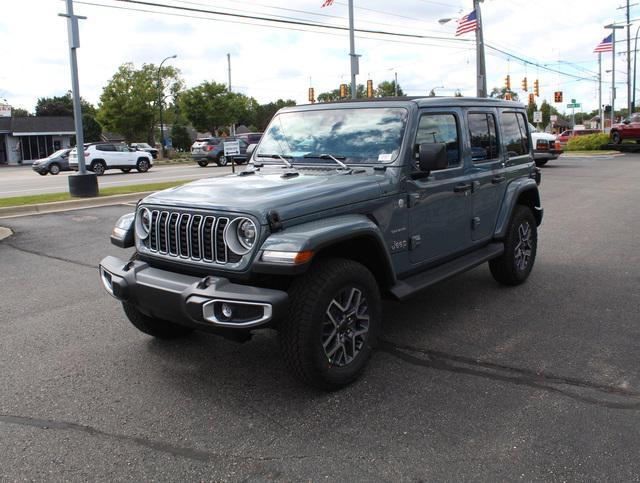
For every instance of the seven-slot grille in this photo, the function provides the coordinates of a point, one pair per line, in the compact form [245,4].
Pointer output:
[189,236]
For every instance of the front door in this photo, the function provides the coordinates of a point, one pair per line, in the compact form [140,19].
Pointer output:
[488,173]
[439,206]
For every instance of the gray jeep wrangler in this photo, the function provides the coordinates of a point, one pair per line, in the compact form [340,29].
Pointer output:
[342,204]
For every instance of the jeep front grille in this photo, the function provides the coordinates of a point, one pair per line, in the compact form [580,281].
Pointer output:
[188,236]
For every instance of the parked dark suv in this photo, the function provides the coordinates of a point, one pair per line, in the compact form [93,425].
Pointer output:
[211,150]
[342,204]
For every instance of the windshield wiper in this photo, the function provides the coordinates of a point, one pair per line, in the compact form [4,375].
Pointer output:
[329,156]
[281,157]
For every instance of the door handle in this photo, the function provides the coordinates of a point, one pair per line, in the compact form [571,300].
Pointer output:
[498,179]
[462,187]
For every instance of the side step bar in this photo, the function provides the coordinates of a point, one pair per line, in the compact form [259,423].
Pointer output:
[409,286]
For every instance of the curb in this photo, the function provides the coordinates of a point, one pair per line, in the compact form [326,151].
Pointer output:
[59,206]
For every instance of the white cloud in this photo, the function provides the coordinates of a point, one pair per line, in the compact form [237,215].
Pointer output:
[270,63]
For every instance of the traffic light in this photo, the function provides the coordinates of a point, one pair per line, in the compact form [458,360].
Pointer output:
[557,96]
[343,91]
[525,86]
[312,95]
[507,82]
[369,88]
[532,98]
[536,88]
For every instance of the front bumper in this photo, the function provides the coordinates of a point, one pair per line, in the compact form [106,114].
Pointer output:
[197,302]
[40,168]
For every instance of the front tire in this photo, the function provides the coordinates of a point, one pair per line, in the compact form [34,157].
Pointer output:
[142,165]
[520,245]
[616,137]
[54,169]
[333,323]
[158,328]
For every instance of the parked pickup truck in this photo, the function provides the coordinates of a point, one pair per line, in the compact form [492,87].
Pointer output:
[342,204]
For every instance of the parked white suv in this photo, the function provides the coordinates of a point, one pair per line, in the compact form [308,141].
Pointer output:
[102,156]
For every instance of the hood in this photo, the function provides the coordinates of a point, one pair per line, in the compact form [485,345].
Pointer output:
[543,135]
[261,192]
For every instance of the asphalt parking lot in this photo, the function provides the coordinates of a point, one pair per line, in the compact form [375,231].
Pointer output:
[473,381]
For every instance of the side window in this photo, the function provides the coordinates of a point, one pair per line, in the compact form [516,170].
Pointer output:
[242,142]
[482,131]
[122,148]
[440,128]
[105,147]
[515,134]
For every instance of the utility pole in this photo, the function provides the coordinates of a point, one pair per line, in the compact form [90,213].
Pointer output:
[352,53]
[635,62]
[82,184]
[628,62]
[232,128]
[481,69]
[613,28]
[395,87]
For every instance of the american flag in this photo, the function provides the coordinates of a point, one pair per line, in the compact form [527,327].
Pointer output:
[468,23]
[606,45]
[327,3]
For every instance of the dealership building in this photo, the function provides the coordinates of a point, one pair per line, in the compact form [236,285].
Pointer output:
[25,139]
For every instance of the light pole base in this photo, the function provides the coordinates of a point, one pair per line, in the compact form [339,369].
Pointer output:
[83,185]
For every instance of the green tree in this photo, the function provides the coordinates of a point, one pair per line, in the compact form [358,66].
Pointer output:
[180,136]
[211,107]
[334,95]
[19,112]
[63,106]
[388,89]
[130,101]
[532,106]
[458,93]
[501,93]
[265,112]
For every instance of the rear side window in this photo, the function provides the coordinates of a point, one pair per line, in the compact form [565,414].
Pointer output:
[515,133]
[482,131]
[440,128]
[105,147]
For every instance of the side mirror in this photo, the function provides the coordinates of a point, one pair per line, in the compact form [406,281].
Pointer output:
[432,157]
[250,149]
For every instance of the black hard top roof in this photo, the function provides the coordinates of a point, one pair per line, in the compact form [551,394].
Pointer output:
[431,101]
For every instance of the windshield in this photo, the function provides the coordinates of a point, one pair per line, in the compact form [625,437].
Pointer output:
[59,152]
[356,135]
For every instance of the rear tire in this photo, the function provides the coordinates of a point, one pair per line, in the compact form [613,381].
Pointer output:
[158,328]
[203,163]
[142,165]
[333,323]
[98,167]
[222,160]
[520,245]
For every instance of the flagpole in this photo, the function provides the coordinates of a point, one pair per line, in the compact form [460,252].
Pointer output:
[600,90]
[352,52]
[613,75]
[481,77]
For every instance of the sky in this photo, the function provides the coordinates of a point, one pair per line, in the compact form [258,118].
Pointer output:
[269,61]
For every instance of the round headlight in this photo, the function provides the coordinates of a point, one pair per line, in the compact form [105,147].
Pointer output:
[246,231]
[143,223]
[240,235]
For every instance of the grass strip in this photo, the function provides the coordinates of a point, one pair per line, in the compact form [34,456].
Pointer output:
[115,190]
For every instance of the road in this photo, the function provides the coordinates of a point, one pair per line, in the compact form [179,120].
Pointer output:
[19,181]
[473,381]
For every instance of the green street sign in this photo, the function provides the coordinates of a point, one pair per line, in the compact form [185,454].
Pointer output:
[574,104]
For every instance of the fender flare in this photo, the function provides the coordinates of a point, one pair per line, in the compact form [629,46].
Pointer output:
[513,192]
[318,235]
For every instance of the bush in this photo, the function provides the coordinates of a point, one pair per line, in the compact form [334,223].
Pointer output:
[590,142]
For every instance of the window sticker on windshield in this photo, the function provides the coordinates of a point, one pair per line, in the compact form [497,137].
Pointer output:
[385,157]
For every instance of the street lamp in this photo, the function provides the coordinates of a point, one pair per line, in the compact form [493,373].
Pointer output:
[160,101]
[635,58]
[481,69]
[613,28]
[433,89]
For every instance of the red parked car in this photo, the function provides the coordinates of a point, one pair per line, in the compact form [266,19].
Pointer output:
[627,129]
[564,136]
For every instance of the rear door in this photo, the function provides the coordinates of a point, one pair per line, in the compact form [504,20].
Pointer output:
[439,205]
[487,175]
